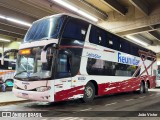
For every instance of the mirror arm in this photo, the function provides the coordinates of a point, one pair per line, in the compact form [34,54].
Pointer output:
[49,45]
[44,53]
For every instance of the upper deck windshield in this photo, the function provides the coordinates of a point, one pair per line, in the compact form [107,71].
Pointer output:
[45,29]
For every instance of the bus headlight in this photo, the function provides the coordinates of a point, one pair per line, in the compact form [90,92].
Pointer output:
[42,89]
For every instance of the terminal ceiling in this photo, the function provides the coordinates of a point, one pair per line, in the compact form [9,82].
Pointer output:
[136,18]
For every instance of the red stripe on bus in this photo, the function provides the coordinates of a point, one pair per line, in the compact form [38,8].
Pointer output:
[132,84]
[58,84]
[78,47]
[86,47]
[109,51]
[90,48]
[71,47]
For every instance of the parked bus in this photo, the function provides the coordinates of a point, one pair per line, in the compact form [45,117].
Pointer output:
[158,74]
[66,57]
[7,69]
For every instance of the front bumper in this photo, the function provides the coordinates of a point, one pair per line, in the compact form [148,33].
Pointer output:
[33,95]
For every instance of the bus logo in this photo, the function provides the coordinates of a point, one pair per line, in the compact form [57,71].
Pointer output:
[25,86]
[127,59]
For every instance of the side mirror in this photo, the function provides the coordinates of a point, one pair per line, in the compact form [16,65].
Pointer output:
[44,51]
[43,56]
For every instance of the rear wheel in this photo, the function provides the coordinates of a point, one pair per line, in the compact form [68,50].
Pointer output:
[89,92]
[146,87]
[142,88]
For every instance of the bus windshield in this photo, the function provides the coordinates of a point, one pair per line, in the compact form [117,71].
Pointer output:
[30,67]
[44,29]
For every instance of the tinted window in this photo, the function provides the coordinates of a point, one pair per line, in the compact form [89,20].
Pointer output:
[75,29]
[107,68]
[45,28]
[101,37]
[125,46]
[134,50]
[98,36]
[104,38]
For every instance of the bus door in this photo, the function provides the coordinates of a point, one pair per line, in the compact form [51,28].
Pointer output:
[63,79]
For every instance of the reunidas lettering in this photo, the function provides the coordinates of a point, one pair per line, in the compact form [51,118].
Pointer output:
[127,60]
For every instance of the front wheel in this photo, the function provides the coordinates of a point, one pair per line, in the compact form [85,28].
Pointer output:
[89,92]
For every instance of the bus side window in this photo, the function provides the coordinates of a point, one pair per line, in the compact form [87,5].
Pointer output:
[116,43]
[98,36]
[110,39]
[94,38]
[104,41]
[125,46]
[134,50]
[75,29]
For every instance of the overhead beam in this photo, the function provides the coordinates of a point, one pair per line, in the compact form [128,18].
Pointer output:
[139,30]
[140,37]
[116,6]
[12,24]
[12,29]
[25,8]
[48,6]
[134,31]
[16,15]
[121,24]
[140,5]
[91,9]
[155,34]
[86,7]
[11,34]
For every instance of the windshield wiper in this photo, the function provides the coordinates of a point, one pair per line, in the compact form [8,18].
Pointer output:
[45,38]
[34,77]
[20,73]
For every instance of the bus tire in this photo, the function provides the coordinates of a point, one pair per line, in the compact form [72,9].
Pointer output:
[89,93]
[142,88]
[146,87]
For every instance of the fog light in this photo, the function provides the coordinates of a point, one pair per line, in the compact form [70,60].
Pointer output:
[42,89]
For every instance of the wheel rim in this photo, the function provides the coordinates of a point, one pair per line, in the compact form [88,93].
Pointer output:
[141,88]
[147,87]
[89,92]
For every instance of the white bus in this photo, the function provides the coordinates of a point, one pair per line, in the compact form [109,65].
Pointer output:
[7,69]
[66,57]
[158,74]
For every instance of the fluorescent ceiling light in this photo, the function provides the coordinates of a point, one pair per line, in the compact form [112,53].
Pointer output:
[15,21]
[67,5]
[4,40]
[137,40]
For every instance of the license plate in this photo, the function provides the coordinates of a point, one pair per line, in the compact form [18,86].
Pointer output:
[25,95]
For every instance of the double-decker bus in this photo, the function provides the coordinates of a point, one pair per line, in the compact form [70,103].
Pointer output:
[66,57]
[7,66]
